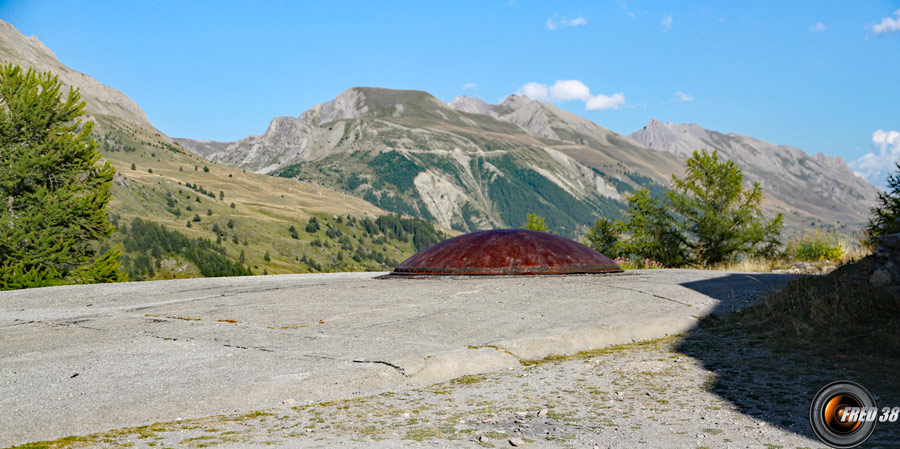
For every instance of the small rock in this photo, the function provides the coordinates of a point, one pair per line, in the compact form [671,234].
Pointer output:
[880,278]
[890,241]
[543,412]
[517,442]
[290,401]
[484,439]
[405,415]
[521,415]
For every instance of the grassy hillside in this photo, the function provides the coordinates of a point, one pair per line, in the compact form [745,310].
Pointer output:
[235,218]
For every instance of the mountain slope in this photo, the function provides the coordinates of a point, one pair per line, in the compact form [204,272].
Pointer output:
[812,189]
[100,99]
[409,152]
[244,217]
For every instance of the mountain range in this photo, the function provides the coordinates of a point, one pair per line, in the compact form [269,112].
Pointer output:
[228,213]
[469,165]
[463,164]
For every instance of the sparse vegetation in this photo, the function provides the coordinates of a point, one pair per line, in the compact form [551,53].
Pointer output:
[146,243]
[816,246]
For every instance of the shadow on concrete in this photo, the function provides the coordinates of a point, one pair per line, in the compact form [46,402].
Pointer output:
[777,386]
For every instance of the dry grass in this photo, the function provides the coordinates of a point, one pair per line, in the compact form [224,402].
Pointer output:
[834,312]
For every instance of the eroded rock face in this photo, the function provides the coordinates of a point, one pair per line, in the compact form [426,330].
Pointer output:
[824,184]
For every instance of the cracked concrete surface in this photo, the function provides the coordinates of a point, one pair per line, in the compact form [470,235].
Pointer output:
[80,359]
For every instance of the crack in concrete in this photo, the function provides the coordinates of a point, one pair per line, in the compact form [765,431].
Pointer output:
[257,348]
[649,294]
[399,369]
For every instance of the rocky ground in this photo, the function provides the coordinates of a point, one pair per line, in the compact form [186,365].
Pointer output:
[708,389]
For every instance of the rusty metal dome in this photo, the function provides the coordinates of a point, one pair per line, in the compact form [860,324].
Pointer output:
[506,252]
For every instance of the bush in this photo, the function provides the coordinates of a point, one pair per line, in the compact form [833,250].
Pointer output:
[636,263]
[886,214]
[816,245]
[604,237]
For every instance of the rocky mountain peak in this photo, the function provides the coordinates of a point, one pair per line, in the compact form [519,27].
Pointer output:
[349,104]
[515,101]
[30,52]
[788,174]
[471,105]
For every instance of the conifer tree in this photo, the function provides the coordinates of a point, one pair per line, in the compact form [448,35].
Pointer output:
[53,188]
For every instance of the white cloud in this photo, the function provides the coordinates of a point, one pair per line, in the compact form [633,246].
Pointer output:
[565,23]
[888,24]
[818,28]
[681,96]
[666,23]
[535,91]
[601,101]
[876,165]
[468,86]
[568,90]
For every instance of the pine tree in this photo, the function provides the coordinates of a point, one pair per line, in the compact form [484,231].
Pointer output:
[536,222]
[53,189]
[886,214]
[723,219]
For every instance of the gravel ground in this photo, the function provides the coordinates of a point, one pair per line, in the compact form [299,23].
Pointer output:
[707,389]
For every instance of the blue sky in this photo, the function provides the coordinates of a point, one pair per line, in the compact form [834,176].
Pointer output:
[819,75]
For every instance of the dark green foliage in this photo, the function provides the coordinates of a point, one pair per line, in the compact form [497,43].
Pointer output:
[196,218]
[132,165]
[221,195]
[53,188]
[292,230]
[290,171]
[536,223]
[656,190]
[313,225]
[653,231]
[722,219]
[145,237]
[886,214]
[205,169]
[266,257]
[604,237]
[523,191]
[708,218]
[394,168]
[423,233]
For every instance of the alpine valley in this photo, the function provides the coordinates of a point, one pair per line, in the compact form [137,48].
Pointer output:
[323,191]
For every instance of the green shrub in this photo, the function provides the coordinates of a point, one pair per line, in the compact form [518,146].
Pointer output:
[886,214]
[816,245]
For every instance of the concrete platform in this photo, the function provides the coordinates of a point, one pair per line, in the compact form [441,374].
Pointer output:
[80,359]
